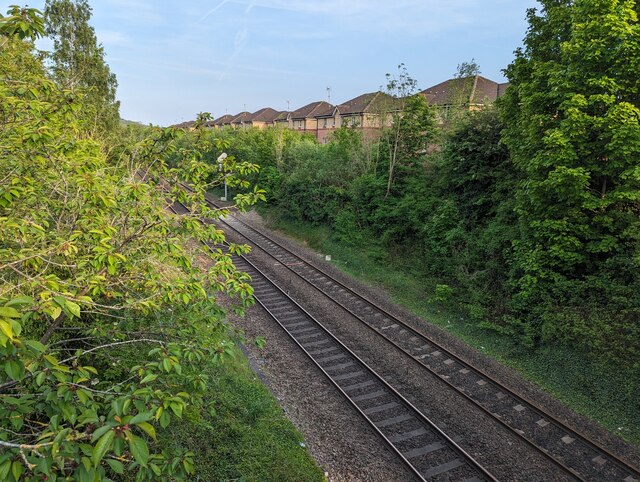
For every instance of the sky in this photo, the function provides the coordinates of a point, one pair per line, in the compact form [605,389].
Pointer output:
[176,59]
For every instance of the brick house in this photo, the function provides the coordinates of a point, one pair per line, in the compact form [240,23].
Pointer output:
[474,92]
[304,118]
[283,119]
[220,122]
[262,118]
[369,112]
[326,121]
[242,120]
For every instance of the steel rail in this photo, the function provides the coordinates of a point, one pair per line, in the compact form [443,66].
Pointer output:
[271,307]
[632,473]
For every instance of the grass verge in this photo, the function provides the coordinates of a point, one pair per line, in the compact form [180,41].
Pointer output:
[604,393]
[242,435]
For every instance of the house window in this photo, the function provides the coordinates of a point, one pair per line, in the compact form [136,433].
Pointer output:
[324,123]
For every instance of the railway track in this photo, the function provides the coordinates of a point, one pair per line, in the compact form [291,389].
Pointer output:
[571,451]
[424,448]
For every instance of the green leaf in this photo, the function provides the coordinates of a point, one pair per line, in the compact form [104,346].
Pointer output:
[148,428]
[17,469]
[4,469]
[40,378]
[20,301]
[15,369]
[165,418]
[99,432]
[6,329]
[149,378]
[36,345]
[9,312]
[102,447]
[141,417]
[116,466]
[56,311]
[139,450]
[73,308]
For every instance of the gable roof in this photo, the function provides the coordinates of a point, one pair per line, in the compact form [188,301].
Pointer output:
[282,116]
[327,111]
[310,110]
[241,117]
[225,119]
[475,90]
[264,115]
[373,102]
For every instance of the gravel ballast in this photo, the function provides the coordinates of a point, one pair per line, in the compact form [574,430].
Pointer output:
[337,436]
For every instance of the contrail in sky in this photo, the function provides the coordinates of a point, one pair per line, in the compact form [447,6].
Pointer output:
[223,2]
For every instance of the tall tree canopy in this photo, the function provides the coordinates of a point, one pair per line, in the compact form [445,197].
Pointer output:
[77,60]
[106,317]
[572,125]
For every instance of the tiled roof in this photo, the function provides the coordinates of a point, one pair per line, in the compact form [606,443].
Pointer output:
[475,90]
[184,125]
[225,119]
[372,102]
[282,116]
[502,89]
[328,111]
[264,115]
[241,117]
[310,110]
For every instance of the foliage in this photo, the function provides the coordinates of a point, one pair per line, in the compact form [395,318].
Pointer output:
[22,23]
[572,127]
[241,433]
[77,62]
[106,320]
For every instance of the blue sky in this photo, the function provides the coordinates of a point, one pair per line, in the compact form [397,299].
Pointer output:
[175,59]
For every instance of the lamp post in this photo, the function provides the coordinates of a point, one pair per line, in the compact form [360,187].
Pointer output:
[221,158]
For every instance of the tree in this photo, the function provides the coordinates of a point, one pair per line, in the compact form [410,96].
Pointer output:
[77,61]
[105,316]
[460,92]
[572,125]
[413,123]
[467,69]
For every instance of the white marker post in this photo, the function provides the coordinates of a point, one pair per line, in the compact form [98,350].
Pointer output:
[221,158]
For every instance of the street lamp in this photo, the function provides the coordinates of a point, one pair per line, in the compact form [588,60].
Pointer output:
[221,158]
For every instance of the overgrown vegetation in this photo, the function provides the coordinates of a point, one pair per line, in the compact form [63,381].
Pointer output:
[528,212]
[524,217]
[606,393]
[110,330]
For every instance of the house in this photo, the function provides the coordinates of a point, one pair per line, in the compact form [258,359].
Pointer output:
[474,92]
[220,122]
[369,112]
[185,125]
[304,119]
[283,119]
[262,118]
[327,120]
[241,120]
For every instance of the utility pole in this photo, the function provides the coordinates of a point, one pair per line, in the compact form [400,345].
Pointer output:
[329,94]
[288,106]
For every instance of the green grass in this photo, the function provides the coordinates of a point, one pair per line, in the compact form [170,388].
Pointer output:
[243,434]
[605,393]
